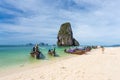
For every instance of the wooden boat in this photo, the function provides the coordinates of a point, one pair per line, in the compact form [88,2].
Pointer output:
[79,52]
[37,55]
[53,53]
[76,51]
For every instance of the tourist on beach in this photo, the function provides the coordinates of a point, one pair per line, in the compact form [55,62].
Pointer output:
[102,49]
[54,52]
[36,48]
[37,51]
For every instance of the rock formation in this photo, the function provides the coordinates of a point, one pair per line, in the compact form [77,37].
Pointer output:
[65,36]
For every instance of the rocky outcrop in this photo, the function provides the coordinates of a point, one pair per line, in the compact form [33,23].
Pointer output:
[65,36]
[75,42]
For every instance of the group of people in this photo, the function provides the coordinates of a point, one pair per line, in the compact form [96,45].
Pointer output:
[52,52]
[36,53]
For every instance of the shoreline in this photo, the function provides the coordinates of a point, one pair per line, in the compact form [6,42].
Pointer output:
[92,66]
[39,63]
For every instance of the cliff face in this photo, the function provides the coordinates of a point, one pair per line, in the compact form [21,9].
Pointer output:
[65,36]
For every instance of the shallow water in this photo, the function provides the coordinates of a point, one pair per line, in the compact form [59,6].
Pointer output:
[20,55]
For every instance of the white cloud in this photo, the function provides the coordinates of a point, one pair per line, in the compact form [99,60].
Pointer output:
[100,23]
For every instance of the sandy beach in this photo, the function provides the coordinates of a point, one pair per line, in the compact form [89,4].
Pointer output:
[94,65]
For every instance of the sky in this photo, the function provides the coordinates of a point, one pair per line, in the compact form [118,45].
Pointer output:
[93,22]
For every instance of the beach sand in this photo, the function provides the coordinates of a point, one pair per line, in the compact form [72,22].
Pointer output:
[94,65]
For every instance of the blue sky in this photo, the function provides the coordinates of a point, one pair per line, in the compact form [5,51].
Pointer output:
[92,21]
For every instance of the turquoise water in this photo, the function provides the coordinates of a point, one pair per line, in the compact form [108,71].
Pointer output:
[19,55]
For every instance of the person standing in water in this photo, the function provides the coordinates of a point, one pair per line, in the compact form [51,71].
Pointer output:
[54,52]
[36,48]
[36,51]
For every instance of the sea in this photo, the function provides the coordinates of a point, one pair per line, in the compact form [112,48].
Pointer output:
[16,55]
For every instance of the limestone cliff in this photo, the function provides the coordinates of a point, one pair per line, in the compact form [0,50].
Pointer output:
[65,36]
